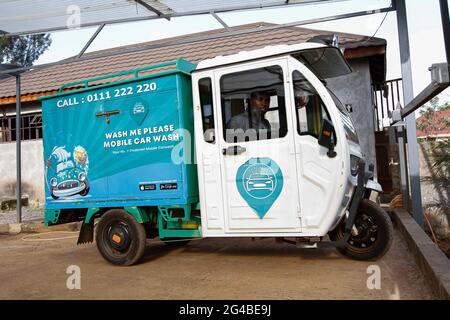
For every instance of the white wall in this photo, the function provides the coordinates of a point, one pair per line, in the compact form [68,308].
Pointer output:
[32,169]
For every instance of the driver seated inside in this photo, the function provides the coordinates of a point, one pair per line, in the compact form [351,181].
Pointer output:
[301,98]
[253,118]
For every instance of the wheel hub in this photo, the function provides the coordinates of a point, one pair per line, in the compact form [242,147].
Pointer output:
[119,237]
[367,232]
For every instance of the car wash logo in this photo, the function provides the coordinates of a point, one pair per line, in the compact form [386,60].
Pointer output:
[259,182]
[67,173]
[139,111]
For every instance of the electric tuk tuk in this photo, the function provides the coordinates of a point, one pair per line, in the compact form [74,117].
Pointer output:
[252,145]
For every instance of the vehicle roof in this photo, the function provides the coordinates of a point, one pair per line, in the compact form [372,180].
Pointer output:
[256,54]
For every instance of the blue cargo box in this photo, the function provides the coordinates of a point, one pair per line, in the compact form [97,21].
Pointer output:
[123,143]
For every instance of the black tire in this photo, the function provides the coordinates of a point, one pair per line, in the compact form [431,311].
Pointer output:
[120,238]
[54,197]
[175,242]
[86,190]
[375,233]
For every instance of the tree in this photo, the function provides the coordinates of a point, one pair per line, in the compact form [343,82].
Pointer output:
[442,158]
[23,50]
[436,151]
[430,121]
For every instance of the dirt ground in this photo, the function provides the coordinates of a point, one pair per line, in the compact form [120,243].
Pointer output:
[204,269]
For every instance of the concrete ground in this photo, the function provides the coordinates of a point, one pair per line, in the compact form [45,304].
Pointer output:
[204,269]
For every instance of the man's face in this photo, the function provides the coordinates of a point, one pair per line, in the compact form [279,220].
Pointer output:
[261,103]
[301,101]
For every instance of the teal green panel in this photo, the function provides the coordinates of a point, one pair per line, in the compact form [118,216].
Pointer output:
[139,214]
[91,212]
[51,217]
[115,143]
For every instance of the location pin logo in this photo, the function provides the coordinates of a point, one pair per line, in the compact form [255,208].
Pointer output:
[259,182]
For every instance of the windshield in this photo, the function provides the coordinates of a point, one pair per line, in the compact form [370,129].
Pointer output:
[64,165]
[350,130]
[325,62]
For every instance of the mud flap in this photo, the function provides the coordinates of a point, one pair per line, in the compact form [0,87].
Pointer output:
[86,233]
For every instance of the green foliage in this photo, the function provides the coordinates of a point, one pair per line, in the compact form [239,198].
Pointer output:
[441,154]
[23,50]
[430,123]
[445,106]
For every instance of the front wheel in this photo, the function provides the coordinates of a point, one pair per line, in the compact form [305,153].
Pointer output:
[86,189]
[120,238]
[372,237]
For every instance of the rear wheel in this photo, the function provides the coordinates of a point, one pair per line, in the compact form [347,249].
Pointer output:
[373,236]
[120,238]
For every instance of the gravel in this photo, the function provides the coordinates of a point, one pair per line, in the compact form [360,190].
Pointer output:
[28,214]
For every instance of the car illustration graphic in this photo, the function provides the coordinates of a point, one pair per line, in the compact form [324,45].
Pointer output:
[70,176]
[259,181]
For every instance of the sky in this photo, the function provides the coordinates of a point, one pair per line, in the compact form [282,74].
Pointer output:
[426,38]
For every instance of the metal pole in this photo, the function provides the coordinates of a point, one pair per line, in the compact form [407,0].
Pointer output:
[100,28]
[220,21]
[403,160]
[445,15]
[18,152]
[408,94]
[152,9]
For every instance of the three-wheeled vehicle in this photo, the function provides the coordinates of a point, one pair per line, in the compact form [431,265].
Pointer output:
[247,145]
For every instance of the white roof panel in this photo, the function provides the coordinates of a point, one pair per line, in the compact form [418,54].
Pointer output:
[37,16]
[325,61]
[256,54]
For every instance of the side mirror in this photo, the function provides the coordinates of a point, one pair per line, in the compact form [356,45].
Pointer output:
[326,138]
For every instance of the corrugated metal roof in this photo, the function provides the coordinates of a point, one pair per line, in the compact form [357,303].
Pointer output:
[148,53]
[32,16]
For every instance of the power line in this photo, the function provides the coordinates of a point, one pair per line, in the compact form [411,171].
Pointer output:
[378,29]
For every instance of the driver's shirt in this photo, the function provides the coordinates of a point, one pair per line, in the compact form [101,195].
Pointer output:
[242,122]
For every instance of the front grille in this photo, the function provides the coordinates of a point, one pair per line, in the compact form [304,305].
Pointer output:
[68,185]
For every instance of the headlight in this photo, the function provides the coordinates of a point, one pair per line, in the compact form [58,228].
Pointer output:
[82,176]
[53,182]
[354,165]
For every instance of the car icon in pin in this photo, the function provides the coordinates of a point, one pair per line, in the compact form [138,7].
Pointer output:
[258,181]
[138,108]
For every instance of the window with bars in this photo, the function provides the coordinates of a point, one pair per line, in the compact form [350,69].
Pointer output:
[31,127]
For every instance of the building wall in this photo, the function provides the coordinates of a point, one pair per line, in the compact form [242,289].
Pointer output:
[435,185]
[27,107]
[355,89]
[32,162]
[32,170]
